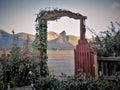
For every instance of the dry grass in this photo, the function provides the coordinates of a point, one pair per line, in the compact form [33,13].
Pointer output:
[60,54]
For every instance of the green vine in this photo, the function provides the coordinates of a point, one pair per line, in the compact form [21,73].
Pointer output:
[41,39]
[45,12]
[41,45]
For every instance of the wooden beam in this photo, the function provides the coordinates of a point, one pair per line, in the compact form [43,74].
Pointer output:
[57,15]
[112,59]
[96,66]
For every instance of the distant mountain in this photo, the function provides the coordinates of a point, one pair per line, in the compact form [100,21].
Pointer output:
[6,39]
[51,35]
[24,36]
[55,41]
[60,43]
[73,39]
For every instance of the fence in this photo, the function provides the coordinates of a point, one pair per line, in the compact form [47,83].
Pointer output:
[108,67]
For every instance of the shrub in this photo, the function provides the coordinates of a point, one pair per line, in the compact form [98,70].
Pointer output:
[108,43]
[74,83]
[47,83]
[18,65]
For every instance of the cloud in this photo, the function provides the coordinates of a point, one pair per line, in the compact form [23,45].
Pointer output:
[116,4]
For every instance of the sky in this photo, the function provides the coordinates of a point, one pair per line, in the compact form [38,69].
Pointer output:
[20,15]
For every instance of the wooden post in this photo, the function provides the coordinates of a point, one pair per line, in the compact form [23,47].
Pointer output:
[106,69]
[96,66]
[82,28]
[102,68]
[84,56]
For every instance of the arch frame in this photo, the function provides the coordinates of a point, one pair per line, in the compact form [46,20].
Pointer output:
[41,32]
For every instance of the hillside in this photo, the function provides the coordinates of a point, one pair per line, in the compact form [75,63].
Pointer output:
[51,35]
[24,36]
[73,39]
[55,41]
[60,43]
[6,39]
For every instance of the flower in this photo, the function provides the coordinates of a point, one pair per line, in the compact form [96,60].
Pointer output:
[21,52]
[21,59]
[24,43]
[37,42]
[26,40]
[29,55]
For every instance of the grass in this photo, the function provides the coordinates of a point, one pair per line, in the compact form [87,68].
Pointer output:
[60,54]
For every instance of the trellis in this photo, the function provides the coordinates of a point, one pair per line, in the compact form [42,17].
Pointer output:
[83,53]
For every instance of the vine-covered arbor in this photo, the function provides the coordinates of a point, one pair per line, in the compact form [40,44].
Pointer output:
[83,53]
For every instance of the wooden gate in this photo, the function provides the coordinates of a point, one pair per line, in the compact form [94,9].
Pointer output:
[84,58]
[83,54]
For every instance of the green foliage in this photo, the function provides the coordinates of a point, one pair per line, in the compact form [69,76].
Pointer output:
[75,83]
[47,83]
[108,43]
[41,45]
[18,64]
[45,12]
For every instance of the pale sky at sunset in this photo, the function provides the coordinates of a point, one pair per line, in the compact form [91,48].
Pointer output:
[20,14]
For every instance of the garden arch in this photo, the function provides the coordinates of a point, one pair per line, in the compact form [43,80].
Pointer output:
[83,52]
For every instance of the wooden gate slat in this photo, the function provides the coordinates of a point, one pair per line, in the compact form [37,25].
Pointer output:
[84,58]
